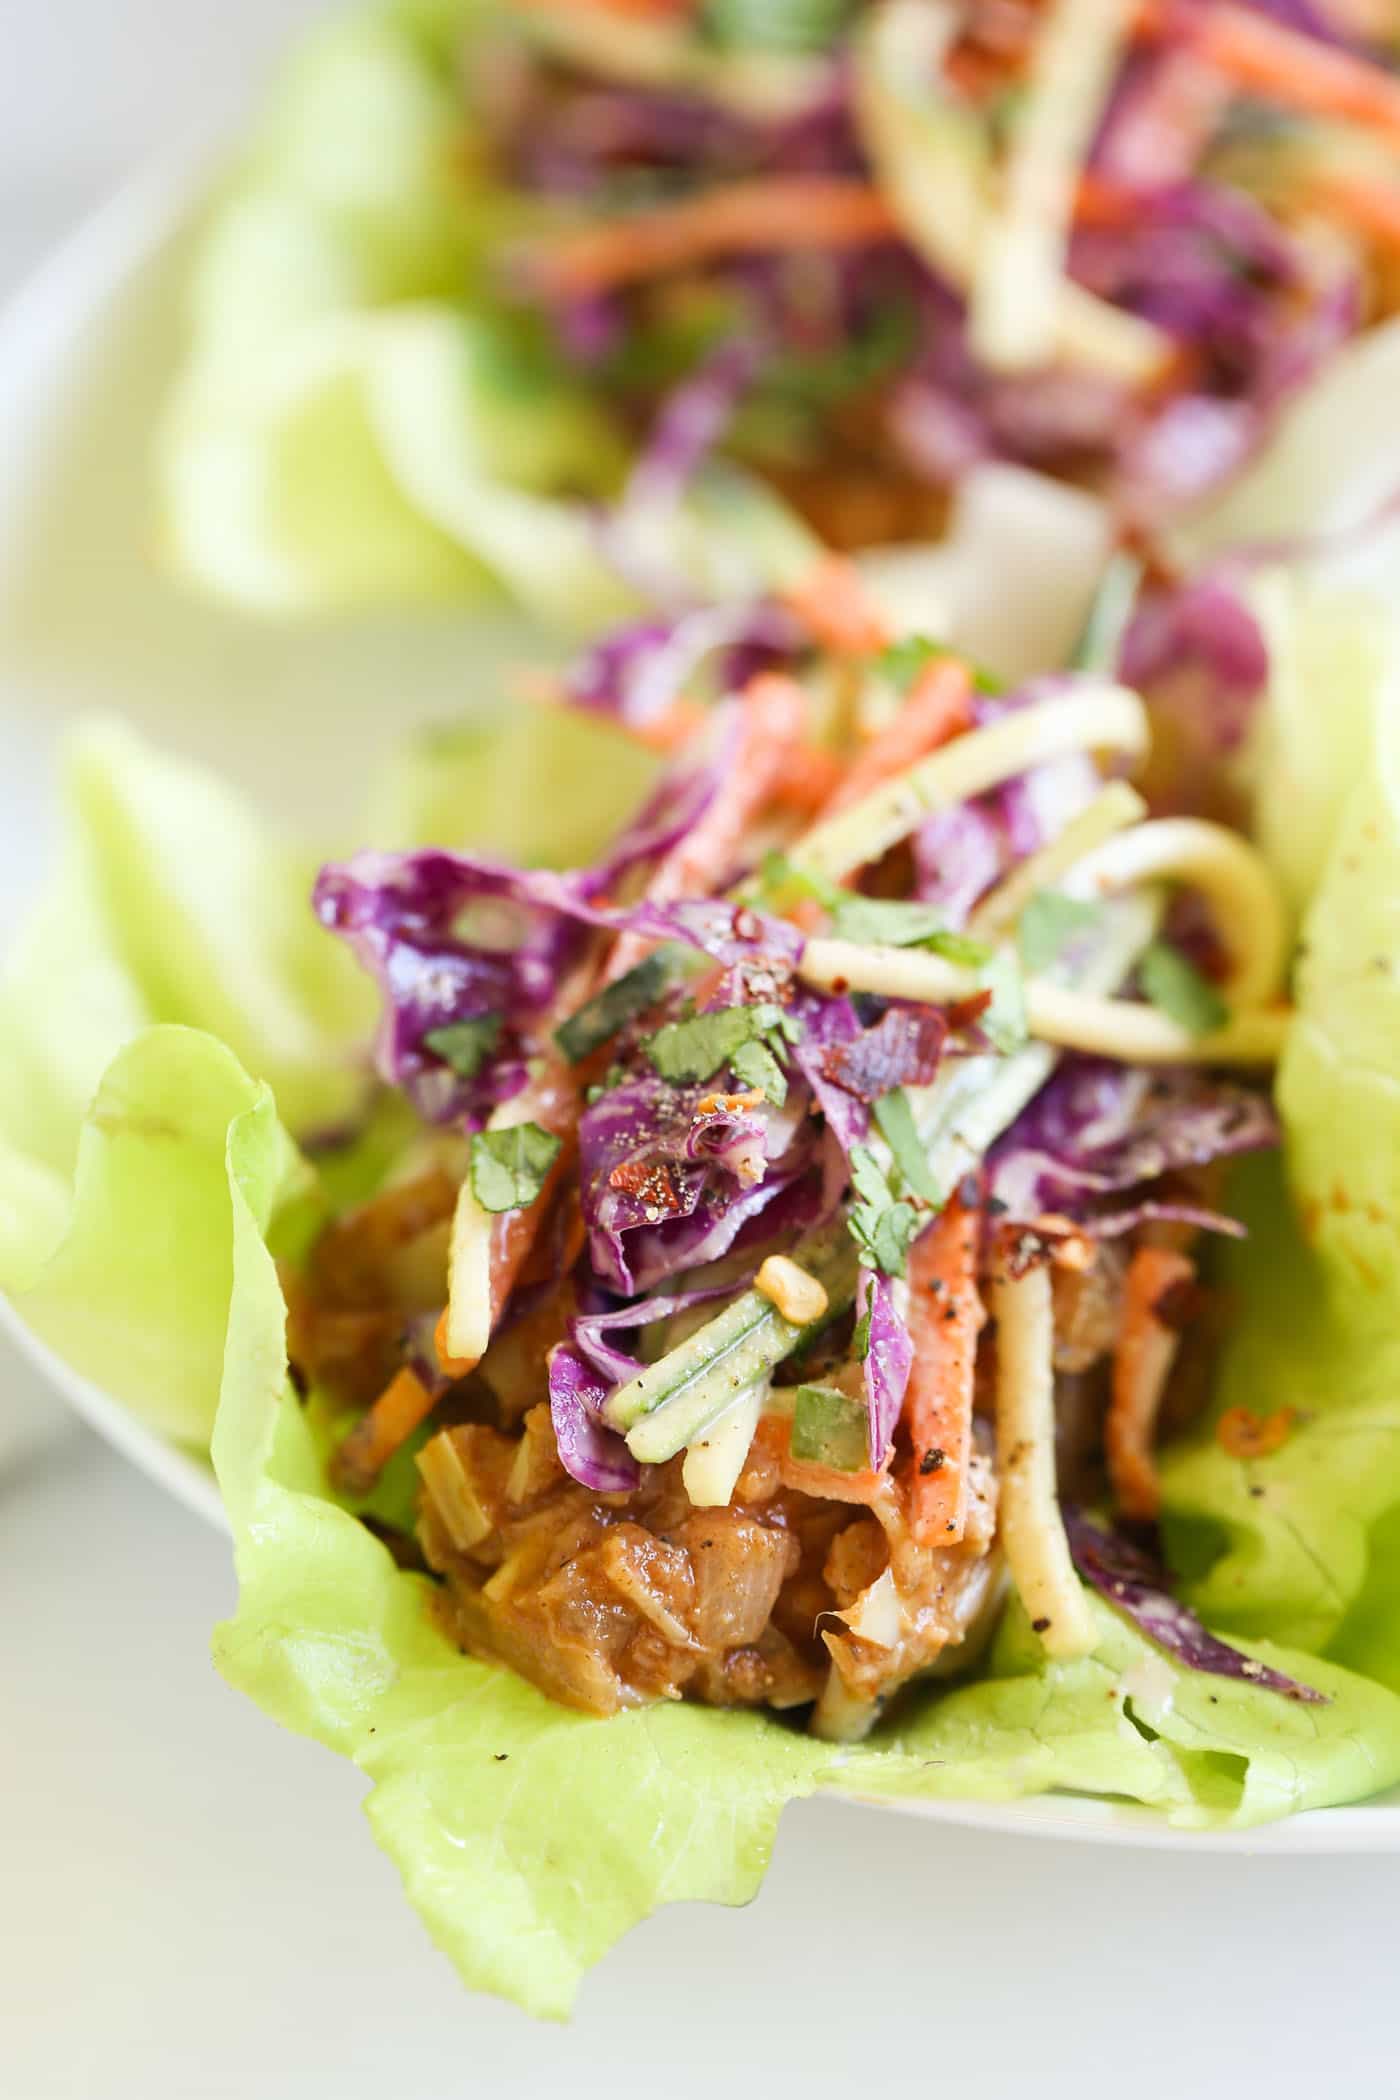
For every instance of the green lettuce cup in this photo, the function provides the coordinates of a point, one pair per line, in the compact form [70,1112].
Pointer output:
[177,1031]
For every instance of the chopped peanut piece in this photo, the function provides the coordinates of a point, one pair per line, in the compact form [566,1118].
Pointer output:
[796,1295]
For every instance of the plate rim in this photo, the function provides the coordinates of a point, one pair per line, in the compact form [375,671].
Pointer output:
[52,309]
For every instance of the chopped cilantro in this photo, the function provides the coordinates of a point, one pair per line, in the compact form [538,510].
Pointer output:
[891,923]
[896,1120]
[780,882]
[600,1019]
[883,922]
[697,1047]
[509,1167]
[1177,988]
[860,1339]
[902,661]
[881,1225]
[465,1045]
[755,1065]
[1048,921]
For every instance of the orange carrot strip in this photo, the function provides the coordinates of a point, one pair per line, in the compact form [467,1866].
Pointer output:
[1288,67]
[809,780]
[945,1317]
[833,603]
[450,1366]
[362,1457]
[740,218]
[773,717]
[937,708]
[1142,1362]
[682,720]
[1373,208]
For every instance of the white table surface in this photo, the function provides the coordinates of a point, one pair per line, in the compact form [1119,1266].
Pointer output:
[191,1904]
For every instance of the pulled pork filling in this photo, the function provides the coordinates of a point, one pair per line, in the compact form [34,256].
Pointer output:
[780,1599]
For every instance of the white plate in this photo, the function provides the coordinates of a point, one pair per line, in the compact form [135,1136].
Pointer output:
[87,621]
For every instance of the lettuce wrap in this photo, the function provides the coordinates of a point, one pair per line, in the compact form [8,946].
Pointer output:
[175,1023]
[571,301]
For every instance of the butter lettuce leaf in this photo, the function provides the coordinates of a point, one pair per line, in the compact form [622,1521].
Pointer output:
[161,1186]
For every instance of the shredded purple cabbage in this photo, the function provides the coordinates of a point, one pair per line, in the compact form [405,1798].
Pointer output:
[903,1048]
[827,1026]
[889,1358]
[1201,640]
[1129,1578]
[590,1329]
[589,1451]
[1098,1130]
[959,853]
[637,673]
[656,1202]
[688,426]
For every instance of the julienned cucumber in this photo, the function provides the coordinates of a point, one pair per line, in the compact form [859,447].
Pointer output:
[704,1374]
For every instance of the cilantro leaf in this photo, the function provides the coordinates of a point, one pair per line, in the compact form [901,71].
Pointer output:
[780,883]
[902,661]
[886,922]
[754,1063]
[465,1045]
[596,1022]
[881,1226]
[701,1045]
[1176,987]
[509,1167]
[895,1118]
[1048,921]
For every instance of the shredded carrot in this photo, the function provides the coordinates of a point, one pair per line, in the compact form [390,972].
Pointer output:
[1142,1362]
[773,718]
[362,1457]
[740,218]
[809,779]
[936,709]
[945,1317]
[1243,1434]
[1284,65]
[832,601]
[682,720]
[449,1365]
[1371,207]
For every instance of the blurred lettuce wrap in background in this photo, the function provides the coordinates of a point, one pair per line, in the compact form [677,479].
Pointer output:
[359,422]
[176,1026]
[599,307]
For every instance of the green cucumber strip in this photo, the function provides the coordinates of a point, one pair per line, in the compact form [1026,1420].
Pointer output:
[972,1102]
[829,1429]
[684,1420]
[739,1345]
